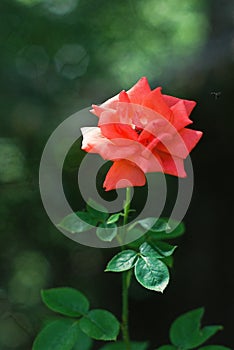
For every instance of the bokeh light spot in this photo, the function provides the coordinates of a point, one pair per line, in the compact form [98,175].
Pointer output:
[60,7]
[186,24]
[12,166]
[31,273]
[168,37]
[71,61]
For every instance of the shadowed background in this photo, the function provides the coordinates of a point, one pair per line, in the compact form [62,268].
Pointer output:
[58,57]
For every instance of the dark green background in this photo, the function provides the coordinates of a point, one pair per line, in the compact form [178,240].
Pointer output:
[58,57]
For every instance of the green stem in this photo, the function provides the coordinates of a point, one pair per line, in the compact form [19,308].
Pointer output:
[125,330]
[126,277]
[127,205]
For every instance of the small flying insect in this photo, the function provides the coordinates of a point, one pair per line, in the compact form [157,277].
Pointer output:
[216,94]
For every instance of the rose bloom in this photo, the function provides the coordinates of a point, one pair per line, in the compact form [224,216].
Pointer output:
[141,131]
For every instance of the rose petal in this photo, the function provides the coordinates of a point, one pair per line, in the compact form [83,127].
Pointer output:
[91,137]
[181,143]
[113,131]
[149,162]
[172,165]
[123,174]
[180,115]
[109,104]
[94,142]
[119,148]
[112,127]
[190,137]
[155,101]
[123,97]
[135,115]
[171,101]
[154,129]
[98,110]
[139,91]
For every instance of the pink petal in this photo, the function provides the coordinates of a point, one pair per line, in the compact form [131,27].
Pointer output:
[137,115]
[92,136]
[115,131]
[155,101]
[109,104]
[180,115]
[97,110]
[190,137]
[155,128]
[181,143]
[119,148]
[123,174]
[172,165]
[140,90]
[123,97]
[149,162]
[112,127]
[171,101]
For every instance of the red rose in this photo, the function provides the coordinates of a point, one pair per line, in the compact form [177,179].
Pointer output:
[141,131]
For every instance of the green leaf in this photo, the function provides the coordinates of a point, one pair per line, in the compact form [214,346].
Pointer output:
[66,301]
[185,331]
[152,224]
[152,273]
[147,250]
[83,341]
[78,222]
[107,232]
[160,225]
[163,248]
[122,261]
[121,346]
[97,211]
[100,325]
[57,335]
[167,347]
[114,218]
[214,347]
[178,231]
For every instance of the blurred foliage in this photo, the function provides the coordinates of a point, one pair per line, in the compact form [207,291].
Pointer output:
[60,56]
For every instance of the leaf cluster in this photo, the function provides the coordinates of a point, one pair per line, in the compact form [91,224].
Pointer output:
[108,225]
[95,215]
[79,326]
[149,256]
[186,333]
[149,268]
